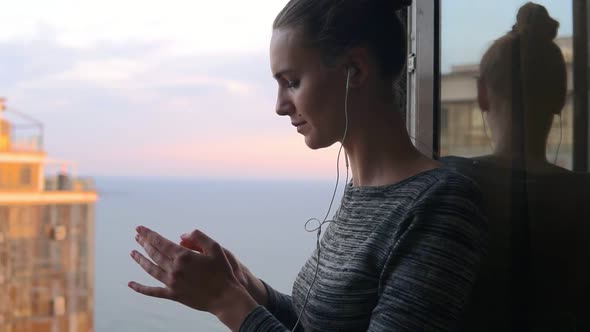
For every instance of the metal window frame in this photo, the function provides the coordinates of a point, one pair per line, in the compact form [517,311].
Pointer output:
[423,98]
[581,148]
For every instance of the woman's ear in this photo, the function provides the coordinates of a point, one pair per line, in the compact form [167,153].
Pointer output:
[357,66]
[482,95]
[351,71]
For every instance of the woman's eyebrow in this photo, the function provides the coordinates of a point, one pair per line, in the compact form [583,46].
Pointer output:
[282,72]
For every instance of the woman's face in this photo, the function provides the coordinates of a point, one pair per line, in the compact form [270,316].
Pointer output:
[309,93]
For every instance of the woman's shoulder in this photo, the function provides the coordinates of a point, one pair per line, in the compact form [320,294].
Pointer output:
[446,181]
[430,184]
[439,186]
[450,190]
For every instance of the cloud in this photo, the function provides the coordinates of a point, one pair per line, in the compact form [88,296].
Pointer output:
[145,88]
[191,26]
[256,155]
[135,73]
[131,109]
[492,22]
[98,71]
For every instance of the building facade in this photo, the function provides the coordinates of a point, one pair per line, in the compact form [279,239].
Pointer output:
[46,238]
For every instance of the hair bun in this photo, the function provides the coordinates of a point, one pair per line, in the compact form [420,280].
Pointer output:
[534,20]
[388,5]
[401,4]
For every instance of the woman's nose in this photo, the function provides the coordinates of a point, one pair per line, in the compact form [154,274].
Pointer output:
[284,106]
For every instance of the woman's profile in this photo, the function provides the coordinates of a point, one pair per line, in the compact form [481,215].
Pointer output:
[403,250]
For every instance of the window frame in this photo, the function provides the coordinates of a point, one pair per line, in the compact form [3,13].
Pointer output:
[581,145]
[423,98]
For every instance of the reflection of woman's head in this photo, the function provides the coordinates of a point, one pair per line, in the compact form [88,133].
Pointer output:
[314,44]
[528,65]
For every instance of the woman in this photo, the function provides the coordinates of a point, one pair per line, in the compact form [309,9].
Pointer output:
[521,88]
[404,248]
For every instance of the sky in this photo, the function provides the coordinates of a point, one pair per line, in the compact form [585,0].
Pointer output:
[182,87]
[470,27]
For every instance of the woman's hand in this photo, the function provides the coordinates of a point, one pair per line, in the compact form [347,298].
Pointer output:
[253,285]
[204,281]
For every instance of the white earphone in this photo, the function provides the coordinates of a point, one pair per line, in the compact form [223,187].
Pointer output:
[350,71]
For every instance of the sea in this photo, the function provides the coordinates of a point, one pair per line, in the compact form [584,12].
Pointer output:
[260,221]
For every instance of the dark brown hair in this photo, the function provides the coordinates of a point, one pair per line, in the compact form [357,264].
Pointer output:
[335,26]
[540,70]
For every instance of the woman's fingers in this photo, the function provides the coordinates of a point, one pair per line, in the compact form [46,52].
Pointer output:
[152,269]
[159,292]
[162,260]
[194,279]
[198,239]
[187,243]
[161,243]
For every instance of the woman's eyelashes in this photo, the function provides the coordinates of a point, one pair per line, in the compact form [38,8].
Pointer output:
[292,84]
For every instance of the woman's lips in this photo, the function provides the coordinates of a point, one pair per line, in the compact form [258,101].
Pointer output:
[300,125]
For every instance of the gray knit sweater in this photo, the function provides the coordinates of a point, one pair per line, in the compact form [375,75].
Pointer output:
[400,257]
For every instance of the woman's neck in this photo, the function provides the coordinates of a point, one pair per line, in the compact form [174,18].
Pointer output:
[381,152]
[530,151]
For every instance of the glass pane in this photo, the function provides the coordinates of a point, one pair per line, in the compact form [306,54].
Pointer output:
[465,129]
[507,121]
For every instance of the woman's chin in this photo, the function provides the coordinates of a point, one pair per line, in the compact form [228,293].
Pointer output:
[316,144]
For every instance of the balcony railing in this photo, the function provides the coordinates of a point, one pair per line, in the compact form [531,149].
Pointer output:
[67,183]
[26,142]
[62,175]
[20,132]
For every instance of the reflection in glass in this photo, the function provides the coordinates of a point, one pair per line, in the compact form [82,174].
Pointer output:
[546,106]
[521,87]
[535,277]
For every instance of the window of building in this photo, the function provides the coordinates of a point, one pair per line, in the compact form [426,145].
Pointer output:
[26,176]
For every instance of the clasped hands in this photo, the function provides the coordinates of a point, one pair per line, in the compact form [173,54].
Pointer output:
[198,273]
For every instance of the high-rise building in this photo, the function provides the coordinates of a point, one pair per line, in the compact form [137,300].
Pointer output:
[46,235]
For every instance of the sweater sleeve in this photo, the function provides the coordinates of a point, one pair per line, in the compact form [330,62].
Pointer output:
[277,316]
[427,279]
[280,305]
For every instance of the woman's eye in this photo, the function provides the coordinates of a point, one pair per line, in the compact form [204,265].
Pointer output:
[292,84]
